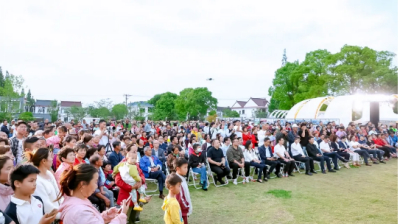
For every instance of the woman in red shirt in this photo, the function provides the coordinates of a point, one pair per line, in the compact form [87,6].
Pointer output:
[80,151]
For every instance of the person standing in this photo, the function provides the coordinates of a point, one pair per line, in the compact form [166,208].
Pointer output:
[304,133]
[4,128]
[16,142]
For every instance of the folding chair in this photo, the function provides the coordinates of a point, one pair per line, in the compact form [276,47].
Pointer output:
[154,181]
[315,162]
[166,168]
[210,173]
[193,177]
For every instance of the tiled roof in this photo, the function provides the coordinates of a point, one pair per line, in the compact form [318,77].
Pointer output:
[241,103]
[261,102]
[43,103]
[71,103]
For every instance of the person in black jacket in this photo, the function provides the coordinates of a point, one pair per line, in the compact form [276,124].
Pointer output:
[315,154]
[4,128]
[197,161]
[267,157]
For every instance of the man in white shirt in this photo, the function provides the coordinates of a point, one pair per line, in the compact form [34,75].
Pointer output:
[298,155]
[328,151]
[238,129]
[284,157]
[261,134]
[104,135]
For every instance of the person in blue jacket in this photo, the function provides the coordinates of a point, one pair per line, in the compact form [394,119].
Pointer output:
[152,168]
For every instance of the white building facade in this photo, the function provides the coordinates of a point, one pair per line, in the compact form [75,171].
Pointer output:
[247,109]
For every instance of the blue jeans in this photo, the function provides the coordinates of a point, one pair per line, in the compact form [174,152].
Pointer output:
[160,177]
[110,196]
[202,171]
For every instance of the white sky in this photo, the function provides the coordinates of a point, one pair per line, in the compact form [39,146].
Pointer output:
[91,50]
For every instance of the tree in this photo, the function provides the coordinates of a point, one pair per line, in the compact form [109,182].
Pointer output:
[10,94]
[230,113]
[2,80]
[213,112]
[153,101]
[30,102]
[119,111]
[211,118]
[362,70]
[284,86]
[260,113]
[194,103]
[53,110]
[165,106]
[26,116]
[101,112]
[78,113]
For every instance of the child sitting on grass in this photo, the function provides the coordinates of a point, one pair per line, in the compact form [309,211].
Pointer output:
[173,214]
[130,175]
[181,167]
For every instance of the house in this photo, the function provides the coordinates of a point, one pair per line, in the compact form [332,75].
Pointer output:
[41,109]
[64,107]
[247,109]
[142,108]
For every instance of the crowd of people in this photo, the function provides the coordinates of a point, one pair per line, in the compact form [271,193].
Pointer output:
[79,172]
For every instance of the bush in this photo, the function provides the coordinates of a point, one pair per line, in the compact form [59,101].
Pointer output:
[26,116]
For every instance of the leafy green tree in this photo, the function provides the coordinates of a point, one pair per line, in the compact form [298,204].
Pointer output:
[213,112]
[119,111]
[26,116]
[362,70]
[10,93]
[53,110]
[260,113]
[101,112]
[78,113]
[2,80]
[165,106]
[30,102]
[227,112]
[284,86]
[153,101]
[194,102]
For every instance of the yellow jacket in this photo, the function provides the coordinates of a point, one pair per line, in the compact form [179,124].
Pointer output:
[173,214]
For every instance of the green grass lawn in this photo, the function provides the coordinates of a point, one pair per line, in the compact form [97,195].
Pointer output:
[356,195]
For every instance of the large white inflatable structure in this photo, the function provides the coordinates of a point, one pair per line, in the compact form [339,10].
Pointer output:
[342,107]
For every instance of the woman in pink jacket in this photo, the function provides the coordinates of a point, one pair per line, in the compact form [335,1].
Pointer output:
[6,165]
[76,186]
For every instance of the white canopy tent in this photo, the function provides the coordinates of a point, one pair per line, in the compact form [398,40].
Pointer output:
[341,107]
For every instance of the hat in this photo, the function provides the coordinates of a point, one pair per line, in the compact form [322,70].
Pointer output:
[19,122]
[295,126]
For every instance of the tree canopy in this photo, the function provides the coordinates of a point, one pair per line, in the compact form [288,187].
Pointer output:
[119,111]
[352,70]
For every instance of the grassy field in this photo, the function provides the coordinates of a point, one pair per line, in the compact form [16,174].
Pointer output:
[356,195]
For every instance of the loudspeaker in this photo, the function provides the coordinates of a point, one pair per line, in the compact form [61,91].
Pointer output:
[374,113]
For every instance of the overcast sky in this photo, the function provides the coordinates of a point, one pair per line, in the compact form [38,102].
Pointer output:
[91,50]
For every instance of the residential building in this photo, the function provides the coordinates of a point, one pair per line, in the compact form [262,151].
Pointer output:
[64,107]
[247,109]
[142,108]
[41,109]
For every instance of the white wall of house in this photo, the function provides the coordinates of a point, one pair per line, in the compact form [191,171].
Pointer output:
[41,110]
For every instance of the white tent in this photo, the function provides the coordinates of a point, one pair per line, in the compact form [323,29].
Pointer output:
[341,108]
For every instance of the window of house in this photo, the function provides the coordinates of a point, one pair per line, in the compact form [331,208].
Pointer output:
[242,111]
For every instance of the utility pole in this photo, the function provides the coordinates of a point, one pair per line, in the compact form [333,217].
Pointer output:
[126,99]
[284,58]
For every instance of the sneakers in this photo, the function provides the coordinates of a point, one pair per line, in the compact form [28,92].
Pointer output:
[347,165]
[235,181]
[247,179]
[382,161]
[141,199]
[137,208]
